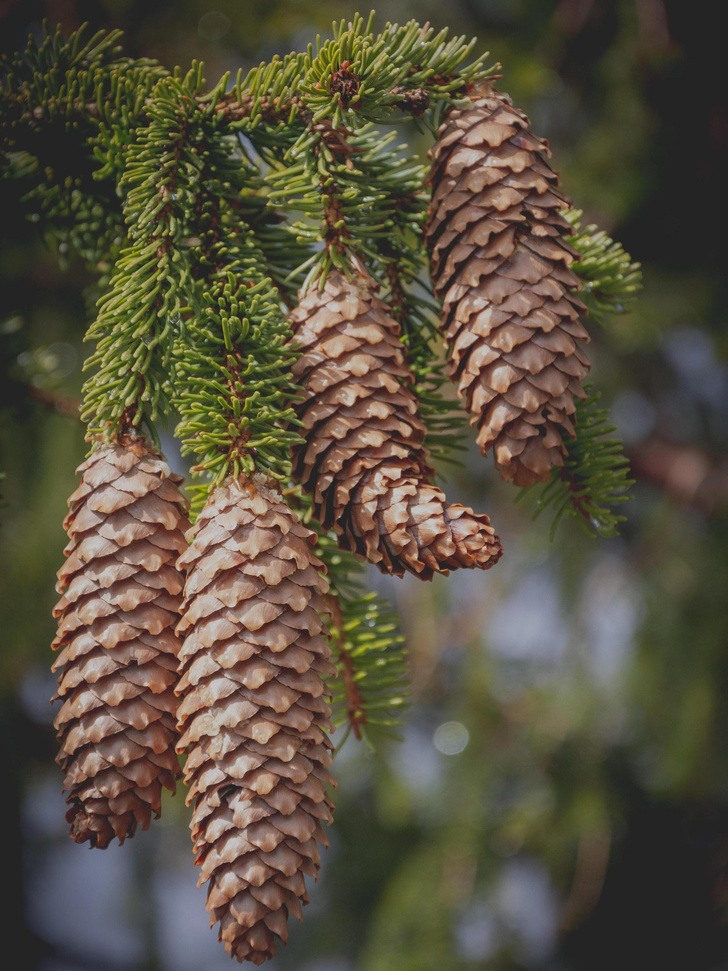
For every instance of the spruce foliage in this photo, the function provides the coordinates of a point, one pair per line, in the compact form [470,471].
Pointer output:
[370,693]
[595,477]
[611,280]
[203,212]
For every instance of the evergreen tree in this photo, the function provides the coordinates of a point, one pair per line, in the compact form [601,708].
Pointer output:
[259,249]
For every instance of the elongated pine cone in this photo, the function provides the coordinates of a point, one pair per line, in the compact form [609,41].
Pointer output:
[118,661]
[363,458]
[501,264]
[254,713]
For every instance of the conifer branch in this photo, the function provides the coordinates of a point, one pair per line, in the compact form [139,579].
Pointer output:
[595,474]
[232,368]
[230,361]
[309,116]
[415,310]
[610,279]
[68,108]
[211,218]
[356,72]
[369,695]
[141,308]
[94,93]
[594,477]
[401,264]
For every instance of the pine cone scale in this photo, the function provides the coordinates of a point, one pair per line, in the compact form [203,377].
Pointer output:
[500,261]
[363,458]
[253,716]
[117,661]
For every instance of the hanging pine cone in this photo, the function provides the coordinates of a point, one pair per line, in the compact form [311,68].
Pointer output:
[502,266]
[121,595]
[363,458]
[254,713]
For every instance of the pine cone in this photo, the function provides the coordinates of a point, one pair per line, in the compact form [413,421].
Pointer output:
[118,663]
[502,266]
[254,713]
[363,458]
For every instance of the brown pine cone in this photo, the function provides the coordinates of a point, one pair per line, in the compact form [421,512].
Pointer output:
[363,458]
[254,712]
[118,663]
[501,264]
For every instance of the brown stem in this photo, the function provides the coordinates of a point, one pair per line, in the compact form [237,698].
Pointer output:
[128,415]
[231,108]
[397,298]
[355,713]
[333,214]
[577,501]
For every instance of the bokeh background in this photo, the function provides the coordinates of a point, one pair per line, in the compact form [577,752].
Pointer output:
[558,799]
